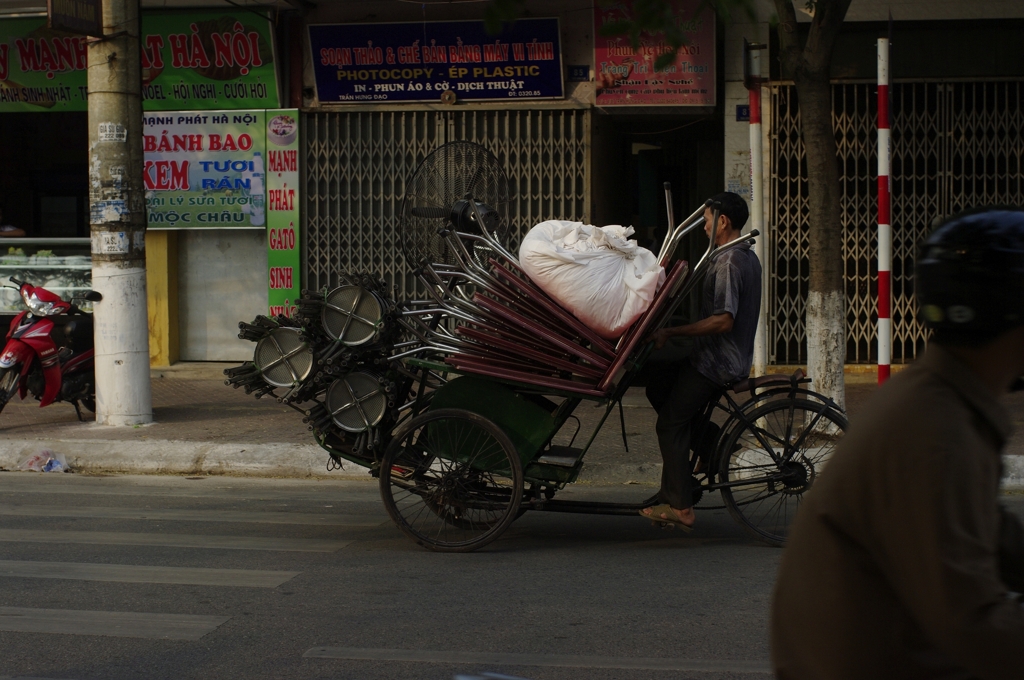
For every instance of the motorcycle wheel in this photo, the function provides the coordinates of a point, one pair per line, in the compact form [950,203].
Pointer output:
[8,384]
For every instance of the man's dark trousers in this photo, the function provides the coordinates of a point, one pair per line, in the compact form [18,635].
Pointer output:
[679,396]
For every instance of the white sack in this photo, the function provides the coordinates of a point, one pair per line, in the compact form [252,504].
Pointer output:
[606,280]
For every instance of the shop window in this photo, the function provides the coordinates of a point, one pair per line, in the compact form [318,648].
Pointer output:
[58,215]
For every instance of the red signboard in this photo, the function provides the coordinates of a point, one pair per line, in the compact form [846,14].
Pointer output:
[625,76]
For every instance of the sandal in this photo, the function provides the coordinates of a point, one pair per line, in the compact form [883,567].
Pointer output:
[663,515]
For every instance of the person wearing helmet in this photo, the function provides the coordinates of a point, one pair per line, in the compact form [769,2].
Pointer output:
[901,562]
[724,350]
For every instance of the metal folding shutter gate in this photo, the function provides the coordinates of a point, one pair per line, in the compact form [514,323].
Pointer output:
[357,164]
[954,146]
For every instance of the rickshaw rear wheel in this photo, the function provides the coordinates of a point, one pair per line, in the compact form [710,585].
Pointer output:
[451,480]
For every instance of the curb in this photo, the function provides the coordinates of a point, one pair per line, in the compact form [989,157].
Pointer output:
[290,460]
[183,457]
[170,457]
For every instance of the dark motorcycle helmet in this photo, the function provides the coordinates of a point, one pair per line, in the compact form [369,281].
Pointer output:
[969,277]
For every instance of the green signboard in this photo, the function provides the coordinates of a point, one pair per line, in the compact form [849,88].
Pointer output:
[283,209]
[40,70]
[191,60]
[207,60]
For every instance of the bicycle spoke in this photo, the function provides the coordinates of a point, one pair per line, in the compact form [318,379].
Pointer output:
[806,434]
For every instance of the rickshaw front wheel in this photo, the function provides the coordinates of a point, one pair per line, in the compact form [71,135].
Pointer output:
[804,434]
[451,480]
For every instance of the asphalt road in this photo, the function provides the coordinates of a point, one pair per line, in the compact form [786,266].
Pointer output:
[216,577]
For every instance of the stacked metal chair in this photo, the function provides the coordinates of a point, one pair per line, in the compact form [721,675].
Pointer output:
[506,327]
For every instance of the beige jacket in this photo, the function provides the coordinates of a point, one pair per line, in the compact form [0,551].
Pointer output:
[900,559]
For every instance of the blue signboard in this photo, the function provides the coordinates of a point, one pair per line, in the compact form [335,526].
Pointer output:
[416,62]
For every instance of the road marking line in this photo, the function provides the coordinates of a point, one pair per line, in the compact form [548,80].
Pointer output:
[173,540]
[173,515]
[548,660]
[113,624]
[129,573]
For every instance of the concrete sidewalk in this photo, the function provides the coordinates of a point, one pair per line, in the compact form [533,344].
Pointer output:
[205,427]
[202,427]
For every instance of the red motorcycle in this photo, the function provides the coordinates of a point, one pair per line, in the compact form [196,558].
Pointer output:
[49,351]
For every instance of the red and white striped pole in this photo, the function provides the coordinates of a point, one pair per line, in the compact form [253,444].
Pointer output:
[884,217]
[760,366]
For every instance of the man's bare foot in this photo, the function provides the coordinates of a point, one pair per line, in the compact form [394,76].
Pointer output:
[666,513]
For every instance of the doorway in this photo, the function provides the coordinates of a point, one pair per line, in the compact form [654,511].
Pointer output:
[634,156]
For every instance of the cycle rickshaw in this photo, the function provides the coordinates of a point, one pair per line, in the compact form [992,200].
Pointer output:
[454,400]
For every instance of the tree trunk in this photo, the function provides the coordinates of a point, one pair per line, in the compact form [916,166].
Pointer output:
[826,300]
